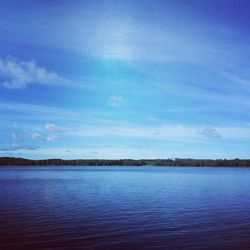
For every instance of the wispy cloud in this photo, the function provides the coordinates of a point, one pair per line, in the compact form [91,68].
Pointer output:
[17,141]
[170,132]
[39,137]
[20,74]
[52,127]
[17,148]
[210,133]
[128,152]
[115,101]
[39,112]
[52,138]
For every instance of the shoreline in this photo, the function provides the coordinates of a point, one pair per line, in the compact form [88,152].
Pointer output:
[12,161]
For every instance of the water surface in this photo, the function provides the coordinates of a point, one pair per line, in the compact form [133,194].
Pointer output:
[124,208]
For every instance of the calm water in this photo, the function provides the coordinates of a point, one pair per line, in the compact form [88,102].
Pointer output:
[124,208]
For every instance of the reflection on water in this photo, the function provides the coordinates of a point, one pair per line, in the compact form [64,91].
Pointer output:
[124,208]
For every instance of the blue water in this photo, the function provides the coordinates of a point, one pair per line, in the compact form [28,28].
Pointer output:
[124,208]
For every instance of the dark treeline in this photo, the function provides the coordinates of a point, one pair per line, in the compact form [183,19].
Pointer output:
[11,161]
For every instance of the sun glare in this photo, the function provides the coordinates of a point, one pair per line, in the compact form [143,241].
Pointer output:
[115,40]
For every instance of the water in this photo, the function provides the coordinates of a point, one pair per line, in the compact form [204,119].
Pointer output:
[124,208]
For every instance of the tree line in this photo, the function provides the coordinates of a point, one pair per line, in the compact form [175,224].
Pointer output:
[12,161]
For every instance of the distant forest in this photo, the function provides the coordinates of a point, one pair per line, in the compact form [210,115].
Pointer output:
[11,161]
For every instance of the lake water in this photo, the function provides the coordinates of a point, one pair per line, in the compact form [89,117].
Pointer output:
[124,208]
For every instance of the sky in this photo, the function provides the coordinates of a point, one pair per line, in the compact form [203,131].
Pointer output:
[131,79]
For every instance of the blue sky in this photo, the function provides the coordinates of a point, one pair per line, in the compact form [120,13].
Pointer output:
[125,79]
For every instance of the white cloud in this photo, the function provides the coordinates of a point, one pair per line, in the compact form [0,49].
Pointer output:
[52,138]
[115,101]
[210,133]
[16,143]
[161,132]
[17,148]
[53,127]
[37,137]
[167,132]
[18,74]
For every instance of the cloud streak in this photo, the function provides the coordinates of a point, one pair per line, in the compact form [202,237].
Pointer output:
[20,74]
[52,127]
[115,101]
[14,148]
[168,132]
[39,137]
[210,133]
